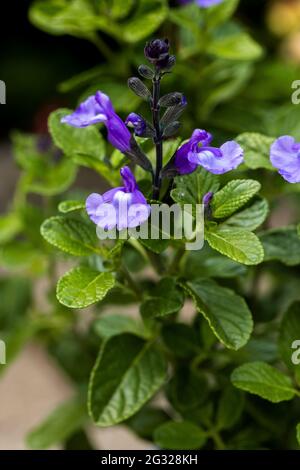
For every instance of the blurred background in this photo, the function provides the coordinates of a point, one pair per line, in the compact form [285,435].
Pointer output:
[46,63]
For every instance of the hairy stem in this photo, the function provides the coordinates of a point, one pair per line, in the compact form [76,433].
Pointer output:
[158,137]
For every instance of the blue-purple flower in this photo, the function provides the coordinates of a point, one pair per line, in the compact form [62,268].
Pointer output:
[198,152]
[203,3]
[285,156]
[137,122]
[122,207]
[98,108]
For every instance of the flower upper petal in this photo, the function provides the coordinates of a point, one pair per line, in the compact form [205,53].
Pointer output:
[89,112]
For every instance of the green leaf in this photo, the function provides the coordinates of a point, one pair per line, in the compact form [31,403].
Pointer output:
[238,244]
[44,174]
[263,380]
[112,325]
[226,312]
[256,150]
[281,244]
[157,246]
[74,17]
[83,286]
[59,425]
[70,235]
[188,16]
[145,421]
[120,8]
[54,179]
[250,218]
[127,373]
[181,339]
[24,256]
[230,408]
[218,14]
[289,332]
[234,195]
[235,45]
[298,433]
[166,299]
[183,435]
[190,189]
[188,389]
[10,226]
[145,22]
[70,206]
[85,145]
[207,263]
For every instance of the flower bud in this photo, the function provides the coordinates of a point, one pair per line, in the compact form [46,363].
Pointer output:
[139,88]
[172,99]
[157,52]
[145,71]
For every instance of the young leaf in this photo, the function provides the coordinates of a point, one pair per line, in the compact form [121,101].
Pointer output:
[238,244]
[250,218]
[282,244]
[127,373]
[70,206]
[226,312]
[263,380]
[70,235]
[83,286]
[59,425]
[234,195]
[182,435]
[256,150]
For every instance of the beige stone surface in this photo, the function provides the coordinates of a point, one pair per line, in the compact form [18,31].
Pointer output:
[30,389]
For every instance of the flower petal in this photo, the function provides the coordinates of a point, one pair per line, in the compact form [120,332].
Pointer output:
[89,112]
[128,178]
[118,134]
[285,156]
[92,203]
[231,156]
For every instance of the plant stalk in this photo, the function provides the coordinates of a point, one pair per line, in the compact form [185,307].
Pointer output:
[158,137]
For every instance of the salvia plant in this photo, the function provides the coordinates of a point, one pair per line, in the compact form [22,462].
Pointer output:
[190,349]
